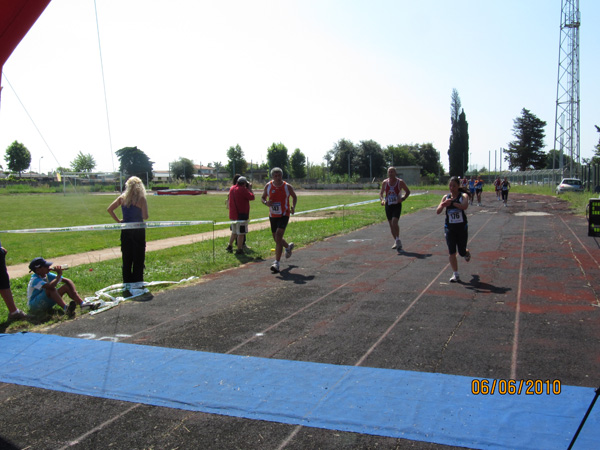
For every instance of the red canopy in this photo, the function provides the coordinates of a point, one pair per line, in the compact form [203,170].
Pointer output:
[16,18]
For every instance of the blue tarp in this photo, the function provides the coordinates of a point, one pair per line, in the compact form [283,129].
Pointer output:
[395,403]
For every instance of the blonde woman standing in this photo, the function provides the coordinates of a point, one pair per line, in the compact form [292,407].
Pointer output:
[134,208]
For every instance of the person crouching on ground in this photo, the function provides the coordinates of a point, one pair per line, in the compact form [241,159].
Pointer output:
[134,208]
[240,197]
[43,291]
[455,227]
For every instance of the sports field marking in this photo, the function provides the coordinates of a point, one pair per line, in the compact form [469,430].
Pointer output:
[515,346]
[318,300]
[361,360]
[103,425]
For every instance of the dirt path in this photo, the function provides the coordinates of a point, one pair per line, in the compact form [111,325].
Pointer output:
[19,270]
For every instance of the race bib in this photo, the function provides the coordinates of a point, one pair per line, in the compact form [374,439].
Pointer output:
[392,198]
[275,208]
[455,216]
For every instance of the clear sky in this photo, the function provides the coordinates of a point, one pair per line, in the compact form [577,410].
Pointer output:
[190,78]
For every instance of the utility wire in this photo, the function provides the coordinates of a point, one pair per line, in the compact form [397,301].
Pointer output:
[104,86]
[30,118]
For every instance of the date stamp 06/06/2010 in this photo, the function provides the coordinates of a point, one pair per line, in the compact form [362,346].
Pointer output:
[515,387]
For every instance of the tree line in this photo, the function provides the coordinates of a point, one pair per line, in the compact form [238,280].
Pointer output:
[524,153]
[366,159]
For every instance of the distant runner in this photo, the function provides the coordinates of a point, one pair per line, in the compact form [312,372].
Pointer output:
[472,189]
[478,189]
[505,189]
[498,188]
[392,200]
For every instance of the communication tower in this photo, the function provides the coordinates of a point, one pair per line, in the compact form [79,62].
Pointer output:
[566,127]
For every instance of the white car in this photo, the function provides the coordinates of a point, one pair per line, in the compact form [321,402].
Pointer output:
[569,185]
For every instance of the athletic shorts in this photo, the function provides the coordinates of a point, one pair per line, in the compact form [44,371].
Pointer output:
[279,222]
[240,228]
[4,279]
[40,303]
[457,238]
[392,211]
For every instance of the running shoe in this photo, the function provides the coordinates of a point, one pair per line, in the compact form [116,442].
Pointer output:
[399,245]
[468,256]
[288,251]
[70,309]
[229,249]
[275,267]
[395,246]
[455,279]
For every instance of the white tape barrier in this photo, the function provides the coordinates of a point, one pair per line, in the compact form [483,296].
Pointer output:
[161,224]
[113,226]
[106,298]
[111,296]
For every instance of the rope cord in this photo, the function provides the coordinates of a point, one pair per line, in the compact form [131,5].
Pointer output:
[31,118]
[104,87]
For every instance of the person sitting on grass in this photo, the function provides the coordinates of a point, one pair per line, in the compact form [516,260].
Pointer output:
[43,291]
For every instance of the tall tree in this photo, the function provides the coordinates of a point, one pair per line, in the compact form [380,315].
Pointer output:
[400,155]
[370,159]
[298,164]
[217,165]
[17,157]
[525,152]
[182,169]
[134,162]
[237,163]
[277,156]
[343,157]
[553,157]
[458,152]
[429,160]
[83,163]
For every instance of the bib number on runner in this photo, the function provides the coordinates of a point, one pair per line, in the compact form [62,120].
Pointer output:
[392,198]
[455,216]
[275,208]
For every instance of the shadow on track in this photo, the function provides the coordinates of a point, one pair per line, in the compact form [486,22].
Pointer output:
[479,287]
[297,278]
[415,255]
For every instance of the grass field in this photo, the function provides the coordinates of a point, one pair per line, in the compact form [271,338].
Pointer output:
[25,211]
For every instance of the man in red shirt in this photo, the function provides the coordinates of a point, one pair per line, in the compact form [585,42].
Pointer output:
[240,196]
[276,196]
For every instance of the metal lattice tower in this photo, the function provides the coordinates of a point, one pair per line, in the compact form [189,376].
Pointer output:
[566,127]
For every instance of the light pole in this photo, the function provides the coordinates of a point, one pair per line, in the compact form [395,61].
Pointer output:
[40,165]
